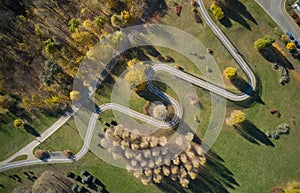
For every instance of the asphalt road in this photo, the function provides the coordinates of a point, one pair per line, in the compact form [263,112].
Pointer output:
[213,88]
[276,10]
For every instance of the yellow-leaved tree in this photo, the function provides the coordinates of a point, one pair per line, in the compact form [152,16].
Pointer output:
[236,117]
[291,46]
[217,11]
[136,76]
[230,72]
[75,95]
[132,62]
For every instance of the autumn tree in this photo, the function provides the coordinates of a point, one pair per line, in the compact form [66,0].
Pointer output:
[67,153]
[136,75]
[18,122]
[236,117]
[264,42]
[230,72]
[83,37]
[291,46]
[117,21]
[217,11]
[160,112]
[73,25]
[132,62]
[41,154]
[75,95]
[99,22]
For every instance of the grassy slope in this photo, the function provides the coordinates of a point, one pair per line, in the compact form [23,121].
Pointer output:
[18,137]
[66,137]
[258,167]
[255,167]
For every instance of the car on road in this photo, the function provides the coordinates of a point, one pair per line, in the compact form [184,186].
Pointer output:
[290,35]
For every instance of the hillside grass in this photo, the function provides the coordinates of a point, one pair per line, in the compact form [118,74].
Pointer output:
[256,167]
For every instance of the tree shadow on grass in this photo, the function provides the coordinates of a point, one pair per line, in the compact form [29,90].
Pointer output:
[214,177]
[29,129]
[226,22]
[242,85]
[273,55]
[254,135]
[238,12]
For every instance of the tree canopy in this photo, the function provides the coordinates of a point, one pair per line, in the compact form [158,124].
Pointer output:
[236,117]
[136,75]
[264,42]
[291,46]
[230,72]
[75,95]
[217,11]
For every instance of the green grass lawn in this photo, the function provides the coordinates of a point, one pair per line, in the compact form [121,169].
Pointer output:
[65,138]
[255,166]
[12,139]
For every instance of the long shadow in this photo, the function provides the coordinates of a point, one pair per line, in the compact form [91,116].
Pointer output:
[255,97]
[214,177]
[236,11]
[273,55]
[241,84]
[29,129]
[151,51]
[250,132]
[242,9]
[226,22]
[234,15]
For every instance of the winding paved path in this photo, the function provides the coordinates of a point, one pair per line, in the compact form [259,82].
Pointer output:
[5,165]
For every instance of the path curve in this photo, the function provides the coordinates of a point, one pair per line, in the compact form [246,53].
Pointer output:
[199,82]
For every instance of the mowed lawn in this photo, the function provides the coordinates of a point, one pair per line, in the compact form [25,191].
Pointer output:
[258,167]
[13,139]
[65,138]
[255,166]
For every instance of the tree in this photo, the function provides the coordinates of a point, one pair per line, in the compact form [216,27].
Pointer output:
[41,154]
[83,37]
[264,42]
[50,70]
[117,21]
[125,16]
[132,62]
[236,117]
[160,112]
[67,153]
[73,24]
[99,22]
[18,122]
[230,72]
[291,46]
[217,11]
[75,95]
[49,46]
[136,75]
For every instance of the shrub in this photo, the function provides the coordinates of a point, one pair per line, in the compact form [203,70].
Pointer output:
[18,122]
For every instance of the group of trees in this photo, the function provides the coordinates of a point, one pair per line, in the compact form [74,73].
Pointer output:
[37,36]
[149,157]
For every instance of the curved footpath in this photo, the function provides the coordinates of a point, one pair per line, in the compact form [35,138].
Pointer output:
[5,165]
